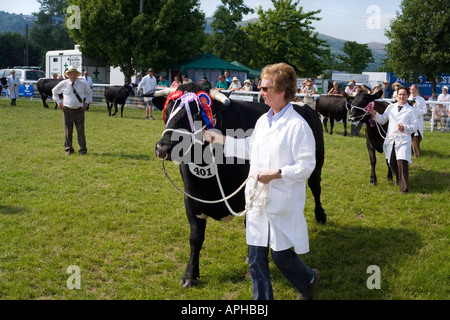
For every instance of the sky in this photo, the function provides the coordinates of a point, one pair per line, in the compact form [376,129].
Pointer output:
[362,21]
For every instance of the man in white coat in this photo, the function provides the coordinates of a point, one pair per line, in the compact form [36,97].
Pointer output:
[148,85]
[13,86]
[420,107]
[281,150]
[397,145]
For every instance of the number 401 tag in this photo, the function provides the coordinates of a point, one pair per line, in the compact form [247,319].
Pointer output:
[202,172]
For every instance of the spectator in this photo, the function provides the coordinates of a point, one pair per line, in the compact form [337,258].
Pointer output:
[87,80]
[146,86]
[350,90]
[221,84]
[441,109]
[138,79]
[335,90]
[176,82]
[309,90]
[13,86]
[228,78]
[397,145]
[55,76]
[163,82]
[206,83]
[377,88]
[247,86]
[186,79]
[395,87]
[420,107]
[235,85]
[256,84]
[387,91]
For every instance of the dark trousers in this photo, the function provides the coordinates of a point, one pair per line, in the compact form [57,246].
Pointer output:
[415,144]
[73,117]
[400,168]
[289,263]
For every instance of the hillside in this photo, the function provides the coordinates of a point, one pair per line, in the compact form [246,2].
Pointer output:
[15,23]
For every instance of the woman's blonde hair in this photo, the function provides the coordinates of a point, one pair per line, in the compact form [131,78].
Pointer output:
[283,77]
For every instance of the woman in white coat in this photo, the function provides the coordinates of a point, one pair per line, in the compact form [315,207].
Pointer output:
[281,150]
[397,145]
[13,86]
[420,107]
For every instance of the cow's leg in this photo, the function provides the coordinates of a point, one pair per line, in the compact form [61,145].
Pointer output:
[198,226]
[115,109]
[121,110]
[325,121]
[109,106]
[44,102]
[389,174]
[331,125]
[373,163]
[314,185]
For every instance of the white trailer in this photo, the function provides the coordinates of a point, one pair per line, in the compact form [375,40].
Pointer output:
[57,61]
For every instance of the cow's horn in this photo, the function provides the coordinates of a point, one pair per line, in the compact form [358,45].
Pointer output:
[218,96]
[164,92]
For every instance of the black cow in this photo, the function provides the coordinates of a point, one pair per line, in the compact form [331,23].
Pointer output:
[45,87]
[118,95]
[3,83]
[375,133]
[228,115]
[335,108]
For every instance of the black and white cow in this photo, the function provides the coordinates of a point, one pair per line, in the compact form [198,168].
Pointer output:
[3,83]
[45,87]
[335,108]
[228,115]
[375,133]
[115,95]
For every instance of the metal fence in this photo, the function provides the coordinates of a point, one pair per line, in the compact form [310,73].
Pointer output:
[437,117]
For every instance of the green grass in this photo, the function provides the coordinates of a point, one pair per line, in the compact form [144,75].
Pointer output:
[115,215]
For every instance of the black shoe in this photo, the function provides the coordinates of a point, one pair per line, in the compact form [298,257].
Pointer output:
[309,292]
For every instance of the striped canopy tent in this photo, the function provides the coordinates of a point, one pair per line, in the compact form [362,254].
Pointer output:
[207,65]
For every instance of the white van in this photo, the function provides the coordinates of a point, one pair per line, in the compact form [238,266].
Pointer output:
[26,76]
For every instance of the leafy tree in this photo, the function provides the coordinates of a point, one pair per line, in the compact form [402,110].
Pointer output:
[285,34]
[358,56]
[48,31]
[13,49]
[167,32]
[228,39]
[420,40]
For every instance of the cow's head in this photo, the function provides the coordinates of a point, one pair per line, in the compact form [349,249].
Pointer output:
[187,110]
[130,88]
[3,81]
[361,105]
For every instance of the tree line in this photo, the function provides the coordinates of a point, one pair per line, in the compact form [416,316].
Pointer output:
[164,32]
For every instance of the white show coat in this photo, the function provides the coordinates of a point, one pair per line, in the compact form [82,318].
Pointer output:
[407,117]
[277,219]
[420,107]
[13,86]
[147,85]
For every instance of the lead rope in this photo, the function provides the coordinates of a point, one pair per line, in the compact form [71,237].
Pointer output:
[248,205]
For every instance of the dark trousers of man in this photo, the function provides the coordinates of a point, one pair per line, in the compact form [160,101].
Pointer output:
[289,263]
[415,144]
[400,169]
[73,117]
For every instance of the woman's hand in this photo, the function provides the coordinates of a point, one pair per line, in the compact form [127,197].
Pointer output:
[265,176]
[214,136]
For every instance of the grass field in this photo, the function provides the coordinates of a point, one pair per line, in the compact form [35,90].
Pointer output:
[113,214]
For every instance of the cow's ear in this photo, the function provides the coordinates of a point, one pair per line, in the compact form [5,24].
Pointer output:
[159,102]
[377,95]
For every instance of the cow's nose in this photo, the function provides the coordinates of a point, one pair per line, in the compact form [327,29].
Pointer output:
[162,152]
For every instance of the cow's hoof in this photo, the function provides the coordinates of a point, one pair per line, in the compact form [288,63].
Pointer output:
[321,218]
[374,183]
[189,283]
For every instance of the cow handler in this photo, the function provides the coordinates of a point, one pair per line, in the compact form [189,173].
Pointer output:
[281,150]
[13,85]
[76,97]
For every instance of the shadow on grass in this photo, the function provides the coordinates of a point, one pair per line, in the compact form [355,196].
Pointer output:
[428,181]
[145,157]
[343,256]
[12,209]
